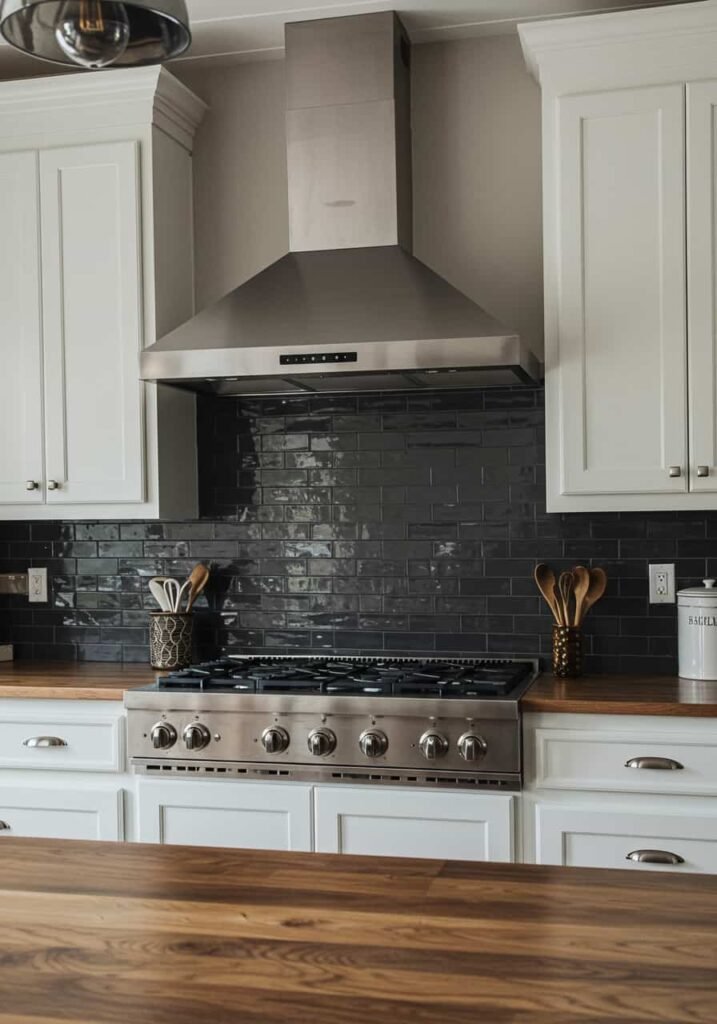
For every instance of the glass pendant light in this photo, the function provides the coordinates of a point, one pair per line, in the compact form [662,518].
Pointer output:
[97,33]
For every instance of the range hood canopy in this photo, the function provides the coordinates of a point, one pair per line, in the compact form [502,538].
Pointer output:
[349,308]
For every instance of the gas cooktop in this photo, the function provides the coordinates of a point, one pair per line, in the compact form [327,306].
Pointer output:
[355,677]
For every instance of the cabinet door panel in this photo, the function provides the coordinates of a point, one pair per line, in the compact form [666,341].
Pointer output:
[620,357]
[61,813]
[232,814]
[593,838]
[20,331]
[92,323]
[702,293]
[414,823]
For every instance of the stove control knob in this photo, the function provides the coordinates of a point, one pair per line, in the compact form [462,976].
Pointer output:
[433,745]
[322,742]
[163,736]
[472,747]
[275,740]
[196,736]
[373,743]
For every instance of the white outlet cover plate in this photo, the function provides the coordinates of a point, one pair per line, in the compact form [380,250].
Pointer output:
[37,586]
[662,584]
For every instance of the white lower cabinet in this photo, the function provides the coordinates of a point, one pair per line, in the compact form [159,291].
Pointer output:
[575,836]
[257,816]
[66,813]
[414,823]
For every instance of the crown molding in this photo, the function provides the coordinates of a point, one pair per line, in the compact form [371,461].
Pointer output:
[546,42]
[108,99]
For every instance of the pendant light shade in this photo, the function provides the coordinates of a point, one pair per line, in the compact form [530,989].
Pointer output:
[97,33]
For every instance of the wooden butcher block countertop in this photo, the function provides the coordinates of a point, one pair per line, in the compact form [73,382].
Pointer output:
[71,680]
[176,935]
[623,695]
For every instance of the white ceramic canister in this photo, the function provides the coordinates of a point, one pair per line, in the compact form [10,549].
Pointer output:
[697,631]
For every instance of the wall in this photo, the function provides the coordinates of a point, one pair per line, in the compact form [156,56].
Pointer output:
[377,523]
[477,202]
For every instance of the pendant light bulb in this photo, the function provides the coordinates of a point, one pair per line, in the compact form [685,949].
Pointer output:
[92,33]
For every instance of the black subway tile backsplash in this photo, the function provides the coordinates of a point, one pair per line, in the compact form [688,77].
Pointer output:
[401,523]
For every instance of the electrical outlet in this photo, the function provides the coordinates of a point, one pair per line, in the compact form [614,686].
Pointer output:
[662,584]
[37,586]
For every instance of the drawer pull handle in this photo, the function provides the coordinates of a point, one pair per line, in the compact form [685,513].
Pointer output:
[655,857]
[660,763]
[4,827]
[43,742]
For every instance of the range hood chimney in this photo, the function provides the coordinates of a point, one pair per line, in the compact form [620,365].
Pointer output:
[349,308]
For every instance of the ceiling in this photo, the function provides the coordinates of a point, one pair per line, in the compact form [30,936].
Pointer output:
[226,31]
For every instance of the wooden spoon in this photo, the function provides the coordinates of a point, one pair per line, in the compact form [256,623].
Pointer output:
[547,585]
[198,579]
[566,586]
[598,583]
[582,585]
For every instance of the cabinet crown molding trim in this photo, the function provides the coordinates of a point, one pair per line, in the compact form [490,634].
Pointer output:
[546,42]
[148,96]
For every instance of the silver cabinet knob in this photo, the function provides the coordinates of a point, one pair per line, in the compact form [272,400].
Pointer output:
[472,747]
[655,857]
[433,745]
[32,485]
[703,471]
[163,736]
[675,471]
[275,740]
[196,736]
[44,742]
[658,763]
[321,742]
[52,485]
[373,743]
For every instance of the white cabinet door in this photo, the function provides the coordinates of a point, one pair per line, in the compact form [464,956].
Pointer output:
[414,823]
[595,838]
[61,813]
[616,347]
[702,290]
[91,282]
[198,813]
[21,441]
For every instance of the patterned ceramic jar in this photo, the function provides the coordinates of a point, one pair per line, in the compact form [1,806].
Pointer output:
[170,640]
[567,652]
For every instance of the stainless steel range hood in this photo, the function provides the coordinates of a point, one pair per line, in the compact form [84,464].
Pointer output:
[349,308]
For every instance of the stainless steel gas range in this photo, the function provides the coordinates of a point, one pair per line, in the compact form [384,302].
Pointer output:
[401,721]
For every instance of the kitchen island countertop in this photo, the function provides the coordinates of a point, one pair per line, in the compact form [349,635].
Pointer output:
[152,935]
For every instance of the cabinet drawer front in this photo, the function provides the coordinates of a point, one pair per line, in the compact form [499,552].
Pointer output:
[60,742]
[606,839]
[228,813]
[414,823]
[61,813]
[566,759]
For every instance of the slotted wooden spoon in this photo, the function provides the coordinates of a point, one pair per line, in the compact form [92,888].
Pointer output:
[566,587]
[547,585]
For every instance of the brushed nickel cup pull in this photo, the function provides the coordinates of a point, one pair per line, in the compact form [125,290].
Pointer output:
[52,485]
[703,471]
[658,763]
[4,827]
[675,471]
[44,742]
[32,485]
[655,857]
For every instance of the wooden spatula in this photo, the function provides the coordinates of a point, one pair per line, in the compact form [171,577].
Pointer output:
[598,583]
[198,578]
[581,576]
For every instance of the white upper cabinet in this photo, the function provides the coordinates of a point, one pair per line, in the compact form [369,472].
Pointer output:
[21,448]
[96,262]
[629,225]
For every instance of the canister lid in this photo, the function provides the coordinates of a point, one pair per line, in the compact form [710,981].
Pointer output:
[707,592]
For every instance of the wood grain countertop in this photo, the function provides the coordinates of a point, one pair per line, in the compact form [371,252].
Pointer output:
[623,695]
[177,935]
[71,680]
